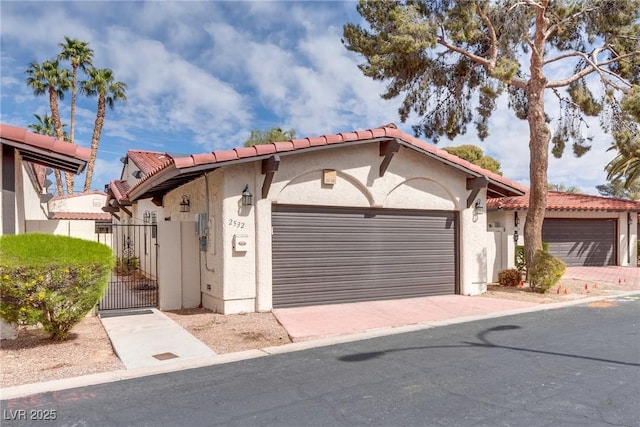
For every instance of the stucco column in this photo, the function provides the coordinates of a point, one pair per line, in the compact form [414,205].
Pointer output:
[264,285]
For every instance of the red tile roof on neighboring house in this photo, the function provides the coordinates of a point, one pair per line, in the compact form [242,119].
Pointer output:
[559,201]
[45,150]
[147,161]
[178,170]
[95,216]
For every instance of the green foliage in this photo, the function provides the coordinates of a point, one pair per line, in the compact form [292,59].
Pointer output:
[475,155]
[442,55]
[521,260]
[564,189]
[259,137]
[510,277]
[545,271]
[126,266]
[51,280]
[616,188]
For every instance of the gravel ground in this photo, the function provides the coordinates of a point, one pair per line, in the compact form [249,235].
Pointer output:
[32,357]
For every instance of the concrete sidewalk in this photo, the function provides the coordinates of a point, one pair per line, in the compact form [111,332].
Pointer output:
[147,337]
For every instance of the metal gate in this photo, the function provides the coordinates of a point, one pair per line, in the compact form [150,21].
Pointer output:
[133,282]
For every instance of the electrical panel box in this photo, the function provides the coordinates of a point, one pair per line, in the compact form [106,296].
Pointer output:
[202,225]
[240,242]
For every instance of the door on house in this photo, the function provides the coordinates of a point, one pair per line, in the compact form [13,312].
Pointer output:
[133,282]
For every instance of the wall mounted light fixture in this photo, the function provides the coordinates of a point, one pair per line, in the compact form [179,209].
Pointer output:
[515,236]
[185,204]
[146,217]
[247,197]
[478,208]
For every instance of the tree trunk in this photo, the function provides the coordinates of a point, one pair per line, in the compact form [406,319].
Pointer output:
[57,124]
[59,187]
[95,139]
[539,138]
[70,177]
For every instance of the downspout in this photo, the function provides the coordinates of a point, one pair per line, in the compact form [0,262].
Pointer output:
[628,238]
[206,190]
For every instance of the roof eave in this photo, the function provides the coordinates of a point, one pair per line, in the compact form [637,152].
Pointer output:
[146,188]
[47,158]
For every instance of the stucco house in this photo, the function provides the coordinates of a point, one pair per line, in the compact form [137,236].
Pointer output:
[581,229]
[24,159]
[356,216]
[25,155]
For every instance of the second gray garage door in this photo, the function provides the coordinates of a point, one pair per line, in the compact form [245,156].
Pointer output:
[581,242]
[324,255]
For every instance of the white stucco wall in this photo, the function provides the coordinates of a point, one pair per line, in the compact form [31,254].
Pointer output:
[84,202]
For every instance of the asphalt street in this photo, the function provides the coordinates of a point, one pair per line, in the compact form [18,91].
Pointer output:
[575,366]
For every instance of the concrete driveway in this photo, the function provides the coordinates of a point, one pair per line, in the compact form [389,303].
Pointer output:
[626,277]
[307,323]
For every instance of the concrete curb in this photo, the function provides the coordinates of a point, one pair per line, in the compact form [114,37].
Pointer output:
[112,376]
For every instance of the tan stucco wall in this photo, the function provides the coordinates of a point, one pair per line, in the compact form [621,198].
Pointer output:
[236,281]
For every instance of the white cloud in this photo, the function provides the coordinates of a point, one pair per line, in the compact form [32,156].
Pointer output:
[200,75]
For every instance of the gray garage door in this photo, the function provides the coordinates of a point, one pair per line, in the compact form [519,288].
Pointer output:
[581,242]
[325,255]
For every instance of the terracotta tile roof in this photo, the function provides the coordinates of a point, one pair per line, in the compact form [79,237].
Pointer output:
[559,201]
[148,161]
[119,190]
[208,161]
[45,150]
[96,216]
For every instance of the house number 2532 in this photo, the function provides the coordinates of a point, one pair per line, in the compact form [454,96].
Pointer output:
[236,224]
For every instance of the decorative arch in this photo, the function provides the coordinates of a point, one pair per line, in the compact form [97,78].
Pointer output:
[306,188]
[423,193]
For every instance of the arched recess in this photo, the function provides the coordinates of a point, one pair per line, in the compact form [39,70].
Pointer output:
[308,189]
[421,193]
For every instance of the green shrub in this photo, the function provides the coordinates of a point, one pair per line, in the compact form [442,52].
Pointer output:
[126,266]
[510,277]
[545,271]
[521,256]
[51,280]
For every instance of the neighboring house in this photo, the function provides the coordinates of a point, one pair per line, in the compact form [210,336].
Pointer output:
[582,230]
[25,155]
[76,215]
[356,216]
[24,159]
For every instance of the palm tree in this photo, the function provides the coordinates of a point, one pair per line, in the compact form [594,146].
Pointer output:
[626,165]
[102,84]
[80,56]
[49,78]
[44,126]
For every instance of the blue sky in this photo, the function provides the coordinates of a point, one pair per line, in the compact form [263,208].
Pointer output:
[201,75]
